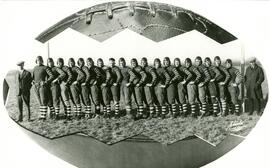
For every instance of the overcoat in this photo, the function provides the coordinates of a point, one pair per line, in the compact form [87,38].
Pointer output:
[253,80]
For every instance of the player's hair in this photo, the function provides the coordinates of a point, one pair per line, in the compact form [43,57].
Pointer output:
[50,60]
[188,60]
[167,59]
[217,58]
[157,60]
[144,59]
[89,59]
[134,60]
[122,59]
[177,59]
[228,61]
[60,60]
[80,61]
[71,60]
[39,58]
[207,59]
[111,59]
[198,58]
[100,60]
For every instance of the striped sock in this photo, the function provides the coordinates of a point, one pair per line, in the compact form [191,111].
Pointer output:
[108,110]
[203,108]
[180,109]
[164,110]
[43,111]
[116,108]
[52,110]
[68,112]
[151,109]
[215,108]
[237,108]
[79,109]
[87,110]
[128,109]
[140,110]
[57,110]
[104,109]
[157,110]
[174,109]
[75,111]
[223,107]
[193,108]
[184,107]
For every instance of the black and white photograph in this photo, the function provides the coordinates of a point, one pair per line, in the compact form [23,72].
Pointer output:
[133,84]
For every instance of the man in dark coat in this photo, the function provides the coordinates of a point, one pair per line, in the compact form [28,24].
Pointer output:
[23,85]
[254,77]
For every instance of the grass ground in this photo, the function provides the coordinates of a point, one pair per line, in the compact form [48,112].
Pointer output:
[165,131]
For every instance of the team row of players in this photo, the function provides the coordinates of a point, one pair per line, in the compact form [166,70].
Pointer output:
[166,89]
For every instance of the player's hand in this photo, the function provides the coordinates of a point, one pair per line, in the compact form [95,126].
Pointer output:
[162,86]
[127,84]
[83,84]
[115,84]
[95,83]
[75,83]
[191,82]
[42,83]
[138,85]
[149,84]
[183,82]
[212,80]
[33,82]
[201,84]
[234,84]
[221,83]
[103,84]
[55,81]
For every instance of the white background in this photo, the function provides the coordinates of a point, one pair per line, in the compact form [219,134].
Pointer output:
[21,22]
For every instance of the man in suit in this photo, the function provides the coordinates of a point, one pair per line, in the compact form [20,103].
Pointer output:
[253,79]
[23,85]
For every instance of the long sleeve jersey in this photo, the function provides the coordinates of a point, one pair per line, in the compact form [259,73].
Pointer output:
[163,76]
[172,71]
[127,74]
[105,75]
[214,73]
[95,74]
[42,74]
[78,74]
[235,75]
[196,75]
[68,78]
[140,75]
[225,76]
[184,73]
[151,76]
[205,75]
[86,74]
[58,73]
[116,76]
